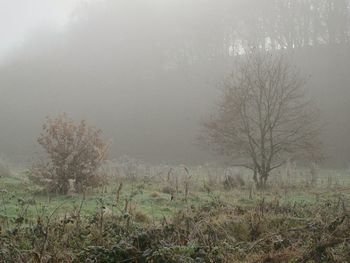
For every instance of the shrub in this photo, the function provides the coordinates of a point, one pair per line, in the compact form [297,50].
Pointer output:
[168,190]
[154,195]
[4,167]
[75,151]
[233,181]
[141,217]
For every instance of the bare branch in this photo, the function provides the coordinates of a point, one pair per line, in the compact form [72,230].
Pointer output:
[264,117]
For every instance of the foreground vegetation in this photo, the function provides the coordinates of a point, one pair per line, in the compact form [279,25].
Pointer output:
[179,214]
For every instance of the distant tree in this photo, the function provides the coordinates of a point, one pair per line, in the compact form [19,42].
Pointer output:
[264,117]
[75,152]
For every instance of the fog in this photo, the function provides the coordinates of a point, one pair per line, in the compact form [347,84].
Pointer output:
[147,71]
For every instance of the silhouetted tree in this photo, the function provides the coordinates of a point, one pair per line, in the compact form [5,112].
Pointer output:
[264,117]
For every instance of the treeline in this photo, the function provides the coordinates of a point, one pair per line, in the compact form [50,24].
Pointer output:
[270,25]
[276,24]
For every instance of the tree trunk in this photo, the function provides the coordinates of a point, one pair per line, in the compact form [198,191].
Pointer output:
[79,186]
[63,186]
[260,179]
[255,177]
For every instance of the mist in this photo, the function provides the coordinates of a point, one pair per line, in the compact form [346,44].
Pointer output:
[148,72]
[174,131]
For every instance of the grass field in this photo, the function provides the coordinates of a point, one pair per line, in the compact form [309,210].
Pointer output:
[148,198]
[152,196]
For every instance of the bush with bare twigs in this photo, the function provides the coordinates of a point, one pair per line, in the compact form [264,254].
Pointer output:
[75,152]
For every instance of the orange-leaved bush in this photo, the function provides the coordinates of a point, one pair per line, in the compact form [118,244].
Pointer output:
[75,152]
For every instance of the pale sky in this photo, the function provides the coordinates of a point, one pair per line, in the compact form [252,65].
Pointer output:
[18,18]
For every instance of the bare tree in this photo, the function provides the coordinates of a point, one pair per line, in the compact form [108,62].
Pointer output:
[264,117]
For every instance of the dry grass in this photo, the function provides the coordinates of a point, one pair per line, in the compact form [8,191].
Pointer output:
[291,221]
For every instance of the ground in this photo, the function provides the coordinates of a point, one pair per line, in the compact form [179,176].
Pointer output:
[208,220]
